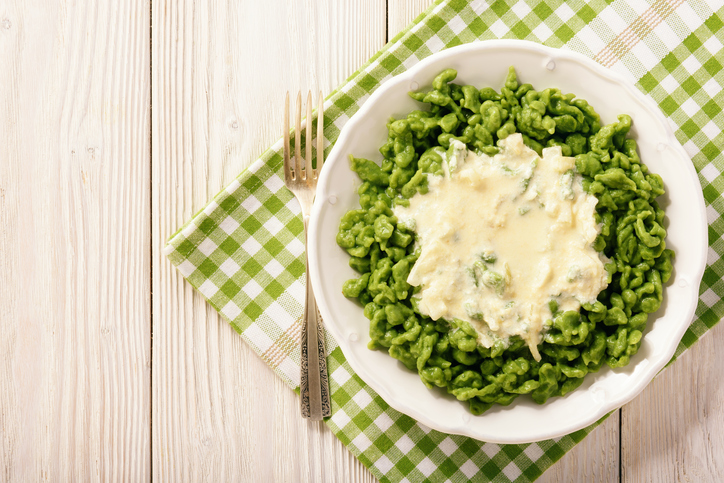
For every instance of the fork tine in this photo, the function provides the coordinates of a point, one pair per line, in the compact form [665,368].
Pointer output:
[298,139]
[309,169]
[320,135]
[287,171]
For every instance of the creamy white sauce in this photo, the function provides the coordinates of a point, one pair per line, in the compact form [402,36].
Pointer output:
[500,237]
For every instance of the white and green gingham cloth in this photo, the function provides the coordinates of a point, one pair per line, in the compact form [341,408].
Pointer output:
[244,252]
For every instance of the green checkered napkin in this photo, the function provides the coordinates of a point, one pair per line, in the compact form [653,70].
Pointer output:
[244,251]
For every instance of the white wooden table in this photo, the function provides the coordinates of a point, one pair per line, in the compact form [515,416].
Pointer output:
[119,119]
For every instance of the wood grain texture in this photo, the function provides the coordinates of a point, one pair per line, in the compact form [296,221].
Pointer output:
[220,72]
[593,460]
[74,241]
[400,13]
[673,430]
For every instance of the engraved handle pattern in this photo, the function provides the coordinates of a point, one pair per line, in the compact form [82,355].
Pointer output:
[314,381]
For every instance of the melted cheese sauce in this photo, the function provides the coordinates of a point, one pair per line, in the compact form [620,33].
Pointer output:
[500,237]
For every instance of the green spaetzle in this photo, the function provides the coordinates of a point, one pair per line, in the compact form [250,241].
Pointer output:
[446,354]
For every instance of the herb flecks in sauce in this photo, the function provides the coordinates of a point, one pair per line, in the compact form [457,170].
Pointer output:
[483,262]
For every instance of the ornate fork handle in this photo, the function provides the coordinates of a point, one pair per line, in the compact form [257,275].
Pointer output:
[315,402]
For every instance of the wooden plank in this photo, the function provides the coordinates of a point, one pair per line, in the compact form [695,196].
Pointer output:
[595,459]
[401,12]
[673,430]
[74,240]
[220,72]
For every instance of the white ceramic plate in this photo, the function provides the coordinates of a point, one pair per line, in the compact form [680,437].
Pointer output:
[486,64]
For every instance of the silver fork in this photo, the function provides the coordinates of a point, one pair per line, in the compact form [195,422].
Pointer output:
[302,182]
